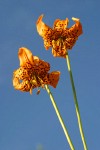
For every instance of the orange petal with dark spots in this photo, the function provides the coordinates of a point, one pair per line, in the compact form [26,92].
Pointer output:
[77,27]
[42,28]
[24,85]
[25,56]
[60,24]
[54,78]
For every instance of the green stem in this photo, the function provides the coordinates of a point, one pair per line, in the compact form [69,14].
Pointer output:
[59,117]
[76,104]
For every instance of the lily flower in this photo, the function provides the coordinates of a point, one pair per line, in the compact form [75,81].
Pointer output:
[33,72]
[60,37]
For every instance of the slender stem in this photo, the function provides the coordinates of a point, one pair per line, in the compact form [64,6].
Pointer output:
[59,117]
[76,104]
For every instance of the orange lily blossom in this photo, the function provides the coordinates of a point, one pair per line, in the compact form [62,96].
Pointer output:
[33,73]
[60,38]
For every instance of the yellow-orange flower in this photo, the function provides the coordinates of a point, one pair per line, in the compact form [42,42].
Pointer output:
[33,72]
[60,38]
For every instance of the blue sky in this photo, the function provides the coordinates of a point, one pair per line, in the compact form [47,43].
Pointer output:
[27,121]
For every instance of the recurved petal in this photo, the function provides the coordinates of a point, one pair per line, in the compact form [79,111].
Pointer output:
[54,78]
[43,29]
[60,24]
[36,60]
[25,56]
[21,73]
[24,85]
[76,29]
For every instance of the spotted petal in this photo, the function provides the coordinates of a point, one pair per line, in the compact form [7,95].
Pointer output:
[75,30]
[52,78]
[60,24]
[23,85]
[25,56]
[42,28]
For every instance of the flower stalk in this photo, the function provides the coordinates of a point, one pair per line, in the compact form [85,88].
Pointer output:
[76,103]
[60,118]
